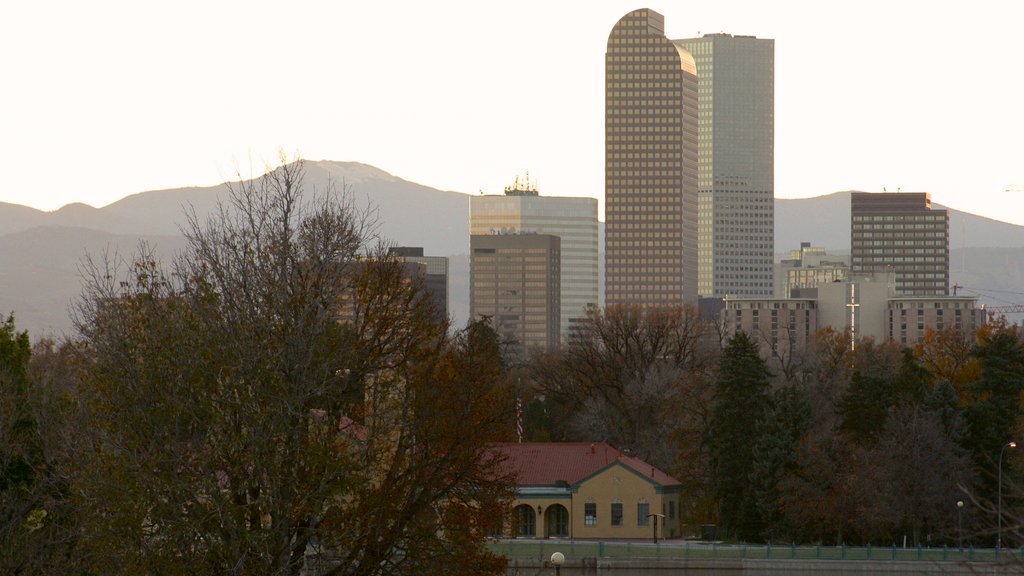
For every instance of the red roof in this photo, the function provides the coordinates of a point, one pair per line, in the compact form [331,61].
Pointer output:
[546,463]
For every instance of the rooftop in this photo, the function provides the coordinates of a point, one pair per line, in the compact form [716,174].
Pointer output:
[549,463]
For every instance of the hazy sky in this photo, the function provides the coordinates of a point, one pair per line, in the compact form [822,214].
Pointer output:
[103,99]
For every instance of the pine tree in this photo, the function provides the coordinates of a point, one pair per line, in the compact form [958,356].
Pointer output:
[740,404]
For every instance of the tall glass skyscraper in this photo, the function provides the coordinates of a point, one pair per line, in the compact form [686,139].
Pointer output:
[650,165]
[736,175]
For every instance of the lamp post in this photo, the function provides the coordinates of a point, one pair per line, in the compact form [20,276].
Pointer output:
[999,496]
[557,559]
[960,523]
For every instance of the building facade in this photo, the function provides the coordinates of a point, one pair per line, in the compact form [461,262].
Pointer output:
[515,280]
[862,306]
[736,158]
[588,491]
[434,276]
[799,275]
[779,326]
[521,210]
[900,232]
[909,318]
[650,165]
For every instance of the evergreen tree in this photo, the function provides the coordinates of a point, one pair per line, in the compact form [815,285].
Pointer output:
[777,435]
[994,406]
[740,404]
[864,407]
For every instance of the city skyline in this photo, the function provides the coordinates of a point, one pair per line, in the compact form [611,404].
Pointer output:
[110,99]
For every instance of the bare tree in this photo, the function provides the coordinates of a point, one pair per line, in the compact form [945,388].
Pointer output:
[283,390]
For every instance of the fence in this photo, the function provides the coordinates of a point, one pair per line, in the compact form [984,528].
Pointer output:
[542,549]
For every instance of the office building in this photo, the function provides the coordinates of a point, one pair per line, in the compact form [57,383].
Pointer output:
[521,210]
[780,327]
[799,275]
[736,176]
[901,233]
[434,276]
[515,280]
[862,306]
[650,165]
[909,318]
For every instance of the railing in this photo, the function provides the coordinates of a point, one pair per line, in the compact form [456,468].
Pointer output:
[542,549]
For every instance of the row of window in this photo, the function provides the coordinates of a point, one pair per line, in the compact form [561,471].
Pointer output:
[643,513]
[940,216]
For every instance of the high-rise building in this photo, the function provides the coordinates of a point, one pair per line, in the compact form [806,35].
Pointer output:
[435,275]
[799,275]
[515,280]
[900,232]
[736,156]
[650,165]
[521,210]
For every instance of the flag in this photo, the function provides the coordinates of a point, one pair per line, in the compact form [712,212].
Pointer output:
[519,419]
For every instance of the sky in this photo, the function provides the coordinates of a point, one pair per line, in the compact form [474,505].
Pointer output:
[103,99]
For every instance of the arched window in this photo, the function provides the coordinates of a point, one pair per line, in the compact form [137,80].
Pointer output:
[525,521]
[495,527]
[557,520]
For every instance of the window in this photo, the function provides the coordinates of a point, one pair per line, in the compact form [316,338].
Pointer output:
[643,509]
[525,521]
[616,513]
[671,508]
[557,520]
[590,514]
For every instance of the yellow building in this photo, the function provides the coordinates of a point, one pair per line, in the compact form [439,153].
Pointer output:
[588,491]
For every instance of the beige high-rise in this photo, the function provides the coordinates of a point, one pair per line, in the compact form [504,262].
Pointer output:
[515,279]
[650,165]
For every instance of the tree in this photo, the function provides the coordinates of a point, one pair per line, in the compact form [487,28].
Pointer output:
[37,523]
[775,453]
[284,390]
[624,375]
[741,403]
[947,356]
[918,475]
[993,408]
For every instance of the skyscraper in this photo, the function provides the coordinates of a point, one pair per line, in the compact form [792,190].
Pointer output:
[650,165]
[514,279]
[522,210]
[736,176]
[901,233]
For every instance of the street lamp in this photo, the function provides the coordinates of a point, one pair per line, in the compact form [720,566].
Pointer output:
[557,559]
[960,522]
[999,496]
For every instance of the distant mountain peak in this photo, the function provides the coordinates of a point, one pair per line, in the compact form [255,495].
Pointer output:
[75,208]
[352,172]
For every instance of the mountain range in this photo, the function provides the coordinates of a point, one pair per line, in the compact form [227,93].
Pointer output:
[41,252]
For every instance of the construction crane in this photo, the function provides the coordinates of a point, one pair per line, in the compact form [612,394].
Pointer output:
[1014,309]
[1006,308]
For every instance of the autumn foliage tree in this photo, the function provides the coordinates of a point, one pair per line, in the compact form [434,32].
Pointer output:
[630,376]
[281,398]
